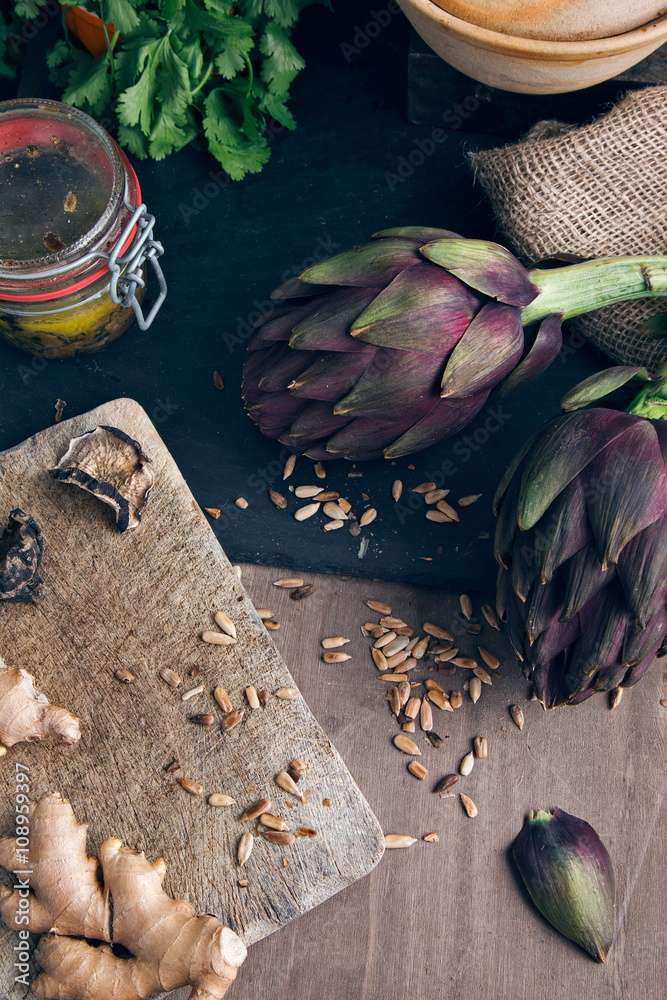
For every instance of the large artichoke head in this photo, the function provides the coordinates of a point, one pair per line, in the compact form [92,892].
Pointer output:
[393,345]
[581,539]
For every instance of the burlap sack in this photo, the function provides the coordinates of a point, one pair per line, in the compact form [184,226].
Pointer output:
[596,190]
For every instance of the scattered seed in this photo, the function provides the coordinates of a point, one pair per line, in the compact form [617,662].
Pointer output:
[434,495]
[468,805]
[232,720]
[334,511]
[287,693]
[252,696]
[241,502]
[445,785]
[379,659]
[299,766]
[489,658]
[491,617]
[466,606]
[263,698]
[219,799]
[470,499]
[467,764]
[436,741]
[368,516]
[432,685]
[218,638]
[243,883]
[438,517]
[404,695]
[393,677]
[224,622]
[273,822]
[333,525]
[615,696]
[325,495]
[447,656]
[271,625]
[318,469]
[333,642]
[474,629]
[192,693]
[447,509]
[408,664]
[289,466]
[202,719]
[278,499]
[264,613]
[256,809]
[396,489]
[439,699]
[382,609]
[218,381]
[384,640]
[124,676]
[442,647]
[475,689]
[481,746]
[170,676]
[436,631]
[288,581]
[431,838]
[412,708]
[409,727]
[336,657]
[279,837]
[301,592]
[397,660]
[406,745]
[193,787]
[213,511]
[392,840]
[306,491]
[483,676]
[418,769]
[305,831]
[397,645]
[463,661]
[223,699]
[420,648]
[517,715]
[247,841]
[345,505]
[305,512]
[423,488]
[288,784]
[426,716]
[394,700]
[456,699]
[663,702]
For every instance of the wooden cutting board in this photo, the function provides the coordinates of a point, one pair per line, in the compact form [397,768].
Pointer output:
[141,600]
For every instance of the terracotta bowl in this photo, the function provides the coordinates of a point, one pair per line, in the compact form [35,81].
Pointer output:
[562,20]
[528,65]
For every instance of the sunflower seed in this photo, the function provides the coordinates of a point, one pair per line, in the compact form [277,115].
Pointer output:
[426,716]
[125,676]
[431,838]
[333,525]
[325,495]
[447,509]
[368,516]
[437,516]
[224,622]
[301,592]
[436,741]
[232,720]
[396,489]
[263,697]
[406,745]
[397,645]
[305,512]
[223,699]
[288,784]
[474,629]
[663,702]
[345,505]
[434,495]
[439,699]
[334,511]
[289,466]
[615,696]
[287,693]
[264,613]
[392,840]
[273,822]
[420,648]
[305,831]
[393,677]
[445,785]
[418,769]
[214,512]
[449,654]
[408,664]
[436,631]
[192,693]
[456,699]
[193,787]
[241,502]
[278,499]
[467,764]
[432,685]
[271,625]
[333,642]
[481,747]
[489,658]
[218,799]
[412,708]
[202,719]
[318,469]
[466,606]
[491,617]
[218,638]
[302,492]
[411,645]
[423,488]
[379,606]
[336,657]
[246,843]
[384,640]
[404,694]
[517,715]
[279,837]
[470,499]
[409,727]
[464,661]
[252,696]
[468,805]
[379,659]
[397,659]
[475,689]
[394,700]
[484,677]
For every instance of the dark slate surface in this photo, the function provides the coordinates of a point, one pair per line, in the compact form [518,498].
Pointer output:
[347,171]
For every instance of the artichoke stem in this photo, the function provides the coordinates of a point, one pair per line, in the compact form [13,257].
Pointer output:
[581,288]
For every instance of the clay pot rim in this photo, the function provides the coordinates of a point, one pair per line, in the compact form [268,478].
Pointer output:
[534,48]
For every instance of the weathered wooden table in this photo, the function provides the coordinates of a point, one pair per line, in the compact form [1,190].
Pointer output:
[451,921]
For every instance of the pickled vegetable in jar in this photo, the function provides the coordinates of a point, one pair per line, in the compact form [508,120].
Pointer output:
[75,240]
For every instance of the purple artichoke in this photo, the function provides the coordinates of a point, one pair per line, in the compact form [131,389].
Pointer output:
[393,345]
[581,539]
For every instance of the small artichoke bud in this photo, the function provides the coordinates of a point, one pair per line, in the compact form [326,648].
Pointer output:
[570,878]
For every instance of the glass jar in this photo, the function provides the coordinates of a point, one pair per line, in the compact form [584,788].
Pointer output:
[75,239]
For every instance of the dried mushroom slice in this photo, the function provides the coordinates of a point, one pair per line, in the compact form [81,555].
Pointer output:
[112,466]
[21,549]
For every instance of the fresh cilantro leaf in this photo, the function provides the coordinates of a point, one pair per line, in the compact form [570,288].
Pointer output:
[171,7]
[282,62]
[28,8]
[58,54]
[133,139]
[174,90]
[229,62]
[135,106]
[278,110]
[122,15]
[89,85]
[168,137]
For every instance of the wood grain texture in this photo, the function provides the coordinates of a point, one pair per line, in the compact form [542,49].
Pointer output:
[141,600]
[450,921]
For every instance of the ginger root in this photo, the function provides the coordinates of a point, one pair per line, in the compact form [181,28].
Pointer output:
[26,715]
[170,944]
